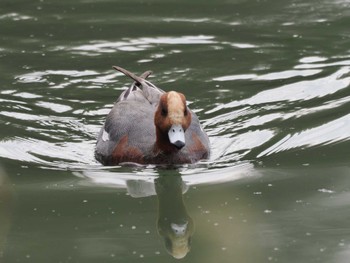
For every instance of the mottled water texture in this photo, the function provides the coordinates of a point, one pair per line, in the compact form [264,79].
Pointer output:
[270,82]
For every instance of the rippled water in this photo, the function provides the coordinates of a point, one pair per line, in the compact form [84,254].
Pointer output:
[270,81]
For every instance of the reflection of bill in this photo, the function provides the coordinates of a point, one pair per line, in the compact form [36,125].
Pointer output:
[5,210]
[174,223]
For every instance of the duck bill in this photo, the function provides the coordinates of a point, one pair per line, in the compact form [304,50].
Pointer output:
[177,136]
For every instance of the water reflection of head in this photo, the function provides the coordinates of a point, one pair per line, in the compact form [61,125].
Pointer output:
[174,223]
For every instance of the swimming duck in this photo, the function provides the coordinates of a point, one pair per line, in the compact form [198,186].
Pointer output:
[150,126]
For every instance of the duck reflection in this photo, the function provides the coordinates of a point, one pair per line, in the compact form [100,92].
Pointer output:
[173,221]
[174,224]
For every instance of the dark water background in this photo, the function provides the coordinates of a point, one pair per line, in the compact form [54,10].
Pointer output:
[270,81]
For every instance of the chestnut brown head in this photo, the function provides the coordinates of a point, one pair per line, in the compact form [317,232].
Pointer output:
[172,117]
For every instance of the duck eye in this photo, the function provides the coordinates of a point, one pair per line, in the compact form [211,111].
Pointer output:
[185,112]
[164,112]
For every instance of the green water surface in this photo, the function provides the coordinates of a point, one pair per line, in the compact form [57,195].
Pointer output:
[270,82]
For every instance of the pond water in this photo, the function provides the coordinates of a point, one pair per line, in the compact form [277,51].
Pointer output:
[270,82]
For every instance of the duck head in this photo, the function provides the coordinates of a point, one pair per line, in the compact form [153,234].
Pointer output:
[171,119]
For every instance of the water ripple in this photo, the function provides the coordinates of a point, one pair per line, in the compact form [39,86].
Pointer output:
[229,150]
[43,152]
[43,76]
[16,17]
[27,95]
[140,183]
[323,65]
[331,132]
[138,44]
[56,107]
[297,91]
[270,76]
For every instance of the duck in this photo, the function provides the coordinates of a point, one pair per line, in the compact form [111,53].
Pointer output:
[150,126]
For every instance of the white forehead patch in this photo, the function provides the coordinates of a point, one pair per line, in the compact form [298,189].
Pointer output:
[176,107]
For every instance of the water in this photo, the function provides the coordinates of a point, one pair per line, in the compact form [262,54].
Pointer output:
[270,81]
